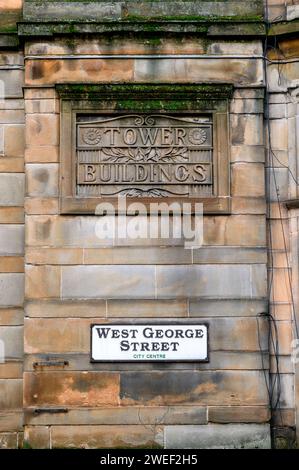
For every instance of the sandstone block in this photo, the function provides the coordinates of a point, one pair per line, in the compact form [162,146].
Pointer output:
[248,179]
[11,215]
[11,316]
[54,256]
[146,415]
[84,389]
[14,141]
[36,206]
[218,436]
[11,394]
[11,264]
[210,281]
[11,239]
[11,289]
[37,437]
[11,165]
[11,370]
[247,153]
[42,153]
[226,308]
[42,129]
[107,281]
[107,437]
[42,281]
[8,440]
[247,129]
[12,338]
[238,414]
[66,308]
[144,255]
[48,72]
[147,308]
[42,180]
[10,421]
[237,230]
[193,387]
[11,189]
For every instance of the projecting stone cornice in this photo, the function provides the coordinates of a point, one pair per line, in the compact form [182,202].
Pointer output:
[214,18]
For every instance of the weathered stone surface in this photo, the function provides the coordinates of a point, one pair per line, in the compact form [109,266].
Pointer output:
[278,183]
[107,281]
[11,394]
[11,215]
[226,308]
[107,437]
[147,308]
[42,281]
[14,140]
[66,308]
[11,421]
[8,440]
[41,106]
[11,289]
[245,205]
[247,153]
[42,180]
[42,129]
[181,44]
[218,436]
[287,395]
[11,189]
[278,230]
[147,415]
[93,389]
[11,316]
[144,255]
[11,264]
[13,82]
[218,360]
[237,230]
[36,206]
[204,388]
[238,414]
[11,239]
[246,106]
[11,164]
[210,281]
[247,129]
[11,116]
[70,10]
[42,154]
[58,336]
[248,179]
[48,72]
[37,437]
[12,337]
[11,370]
[227,255]
[287,417]
[205,70]
[54,256]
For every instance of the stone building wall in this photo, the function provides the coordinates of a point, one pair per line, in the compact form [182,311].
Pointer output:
[73,279]
[12,120]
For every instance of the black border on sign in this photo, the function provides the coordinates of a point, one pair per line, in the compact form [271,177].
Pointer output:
[192,323]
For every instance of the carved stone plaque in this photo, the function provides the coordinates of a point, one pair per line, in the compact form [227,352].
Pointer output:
[144,155]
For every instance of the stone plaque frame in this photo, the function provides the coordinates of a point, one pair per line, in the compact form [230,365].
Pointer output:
[160,99]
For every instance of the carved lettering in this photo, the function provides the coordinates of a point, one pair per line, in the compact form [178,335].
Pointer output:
[145,155]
